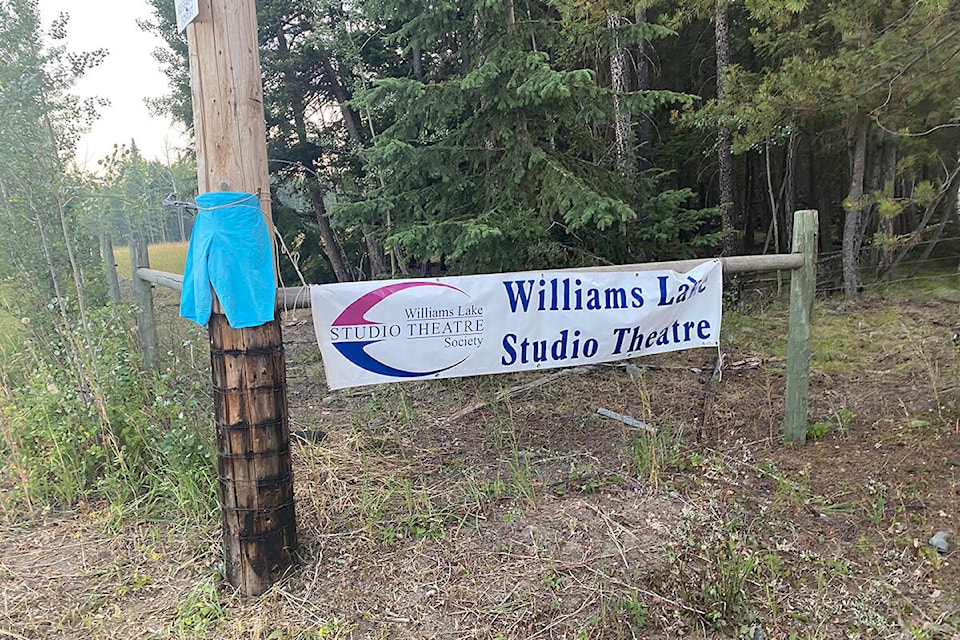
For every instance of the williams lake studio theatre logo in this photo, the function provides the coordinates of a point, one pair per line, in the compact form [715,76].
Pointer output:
[389,330]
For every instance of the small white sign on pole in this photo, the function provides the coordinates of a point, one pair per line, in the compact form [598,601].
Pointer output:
[187,11]
[376,332]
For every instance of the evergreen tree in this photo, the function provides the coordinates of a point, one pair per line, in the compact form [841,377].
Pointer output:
[309,57]
[720,17]
[497,150]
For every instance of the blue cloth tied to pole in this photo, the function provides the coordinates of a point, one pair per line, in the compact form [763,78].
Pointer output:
[230,249]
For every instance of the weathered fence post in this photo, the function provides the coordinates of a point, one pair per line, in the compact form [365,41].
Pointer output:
[803,282]
[110,268]
[143,299]
[248,369]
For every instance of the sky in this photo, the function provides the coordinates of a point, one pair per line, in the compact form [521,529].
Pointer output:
[127,76]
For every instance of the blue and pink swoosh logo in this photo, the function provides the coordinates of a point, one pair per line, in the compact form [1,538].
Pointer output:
[355,316]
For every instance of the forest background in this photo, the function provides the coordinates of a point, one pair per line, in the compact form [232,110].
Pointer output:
[460,138]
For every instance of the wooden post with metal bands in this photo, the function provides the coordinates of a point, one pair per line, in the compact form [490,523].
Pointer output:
[253,452]
[248,369]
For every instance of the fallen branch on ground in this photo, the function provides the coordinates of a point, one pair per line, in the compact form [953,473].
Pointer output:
[627,420]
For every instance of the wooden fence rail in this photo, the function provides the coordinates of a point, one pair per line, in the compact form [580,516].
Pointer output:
[299,297]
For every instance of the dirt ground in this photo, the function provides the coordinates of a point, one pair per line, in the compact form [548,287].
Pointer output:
[455,510]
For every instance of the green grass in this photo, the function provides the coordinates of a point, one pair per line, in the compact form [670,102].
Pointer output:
[847,338]
[169,257]
[848,343]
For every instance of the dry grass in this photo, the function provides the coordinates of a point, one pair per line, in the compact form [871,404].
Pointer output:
[168,256]
[535,518]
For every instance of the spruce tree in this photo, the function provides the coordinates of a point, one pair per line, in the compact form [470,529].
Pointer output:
[495,145]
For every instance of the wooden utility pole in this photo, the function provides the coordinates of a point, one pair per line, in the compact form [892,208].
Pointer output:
[248,369]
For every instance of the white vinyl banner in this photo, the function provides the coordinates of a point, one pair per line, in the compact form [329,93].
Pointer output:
[389,331]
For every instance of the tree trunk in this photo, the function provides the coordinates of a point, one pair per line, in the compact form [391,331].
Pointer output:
[853,220]
[330,243]
[351,119]
[749,216]
[353,124]
[888,217]
[789,187]
[618,82]
[725,154]
[71,255]
[294,89]
[416,63]
[870,222]
[378,261]
[645,126]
